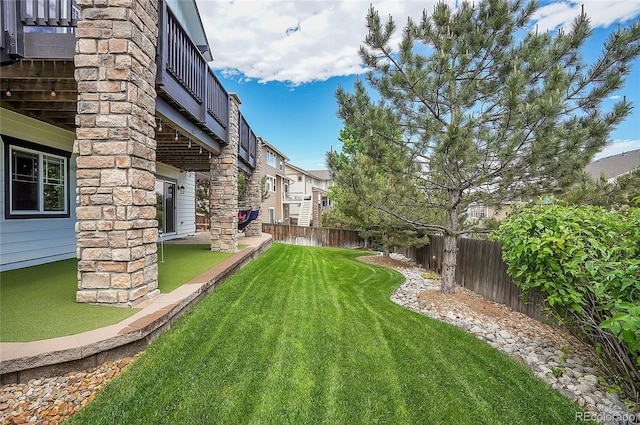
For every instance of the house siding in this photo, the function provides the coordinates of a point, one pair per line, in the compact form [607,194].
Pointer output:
[275,198]
[28,242]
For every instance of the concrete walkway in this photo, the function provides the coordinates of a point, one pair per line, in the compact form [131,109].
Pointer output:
[21,361]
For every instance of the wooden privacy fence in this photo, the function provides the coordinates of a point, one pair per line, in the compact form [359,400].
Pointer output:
[480,269]
[313,236]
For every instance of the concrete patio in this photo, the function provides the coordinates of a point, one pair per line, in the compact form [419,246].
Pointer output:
[22,361]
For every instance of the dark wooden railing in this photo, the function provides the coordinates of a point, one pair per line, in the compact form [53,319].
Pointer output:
[248,143]
[185,77]
[55,13]
[37,29]
[45,29]
[217,99]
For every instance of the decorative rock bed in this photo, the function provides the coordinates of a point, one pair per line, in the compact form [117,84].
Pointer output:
[553,356]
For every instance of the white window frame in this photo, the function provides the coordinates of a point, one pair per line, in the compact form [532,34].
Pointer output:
[43,154]
[478,211]
[272,160]
[270,183]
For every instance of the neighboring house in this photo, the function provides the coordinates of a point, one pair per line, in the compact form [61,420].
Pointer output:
[614,166]
[324,181]
[611,168]
[274,210]
[307,196]
[105,118]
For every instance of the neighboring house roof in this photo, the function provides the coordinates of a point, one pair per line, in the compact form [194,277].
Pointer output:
[614,166]
[321,174]
[298,169]
[317,174]
[274,149]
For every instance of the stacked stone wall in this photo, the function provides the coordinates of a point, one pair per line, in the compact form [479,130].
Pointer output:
[223,193]
[116,228]
[254,191]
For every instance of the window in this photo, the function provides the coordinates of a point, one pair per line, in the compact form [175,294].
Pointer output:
[37,180]
[478,211]
[271,158]
[271,184]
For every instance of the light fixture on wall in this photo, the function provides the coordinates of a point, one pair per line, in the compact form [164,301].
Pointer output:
[189,143]
[8,92]
[176,138]
[53,89]
[200,150]
[159,125]
[181,189]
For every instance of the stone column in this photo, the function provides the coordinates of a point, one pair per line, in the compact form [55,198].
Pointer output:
[254,191]
[116,224]
[316,205]
[223,194]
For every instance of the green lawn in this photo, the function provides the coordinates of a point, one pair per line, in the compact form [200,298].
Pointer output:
[308,335]
[39,302]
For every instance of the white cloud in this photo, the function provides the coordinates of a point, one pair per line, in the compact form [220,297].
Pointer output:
[250,37]
[602,13]
[618,146]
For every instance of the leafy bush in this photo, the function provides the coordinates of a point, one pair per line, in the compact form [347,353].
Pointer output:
[585,262]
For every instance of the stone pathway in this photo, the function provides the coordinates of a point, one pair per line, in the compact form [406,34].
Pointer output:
[556,358]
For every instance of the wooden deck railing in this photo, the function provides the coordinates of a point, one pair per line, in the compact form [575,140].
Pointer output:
[248,143]
[185,77]
[37,29]
[44,29]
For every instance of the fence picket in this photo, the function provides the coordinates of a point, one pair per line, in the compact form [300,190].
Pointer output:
[480,269]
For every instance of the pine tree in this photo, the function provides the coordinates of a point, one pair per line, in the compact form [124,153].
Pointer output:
[490,110]
[361,187]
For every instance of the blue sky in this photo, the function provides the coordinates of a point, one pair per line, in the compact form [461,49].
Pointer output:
[285,60]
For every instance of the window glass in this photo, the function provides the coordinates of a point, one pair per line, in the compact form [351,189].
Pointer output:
[24,181]
[271,184]
[271,158]
[38,181]
[53,183]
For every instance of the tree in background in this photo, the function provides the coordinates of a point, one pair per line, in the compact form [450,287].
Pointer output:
[489,111]
[603,193]
[360,189]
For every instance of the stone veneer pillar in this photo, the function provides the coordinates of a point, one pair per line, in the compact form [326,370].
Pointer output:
[223,193]
[254,190]
[116,216]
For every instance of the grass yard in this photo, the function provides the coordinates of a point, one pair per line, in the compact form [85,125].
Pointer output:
[183,262]
[308,335]
[39,302]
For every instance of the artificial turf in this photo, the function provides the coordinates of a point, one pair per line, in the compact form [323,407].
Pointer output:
[38,302]
[307,335]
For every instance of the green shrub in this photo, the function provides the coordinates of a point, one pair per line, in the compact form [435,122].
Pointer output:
[585,262]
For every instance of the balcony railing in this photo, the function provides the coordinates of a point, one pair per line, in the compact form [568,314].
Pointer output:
[184,76]
[295,197]
[45,29]
[248,143]
[37,29]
